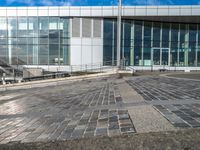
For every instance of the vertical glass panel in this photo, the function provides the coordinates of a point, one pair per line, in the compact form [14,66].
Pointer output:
[147,43]
[108,41]
[174,44]
[43,54]
[156,56]
[4,53]
[165,56]
[43,27]
[183,45]
[14,53]
[64,55]
[127,42]
[198,46]
[64,27]
[33,27]
[19,54]
[53,30]
[3,27]
[32,54]
[22,27]
[12,27]
[165,35]
[156,34]
[54,54]
[22,54]
[192,45]
[138,43]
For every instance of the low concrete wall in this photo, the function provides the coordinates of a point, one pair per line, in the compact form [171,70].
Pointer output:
[177,140]
[32,72]
[52,82]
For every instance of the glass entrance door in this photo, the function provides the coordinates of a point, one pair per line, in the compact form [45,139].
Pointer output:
[160,56]
[156,56]
[165,56]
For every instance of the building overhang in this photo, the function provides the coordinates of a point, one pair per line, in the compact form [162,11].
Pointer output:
[172,13]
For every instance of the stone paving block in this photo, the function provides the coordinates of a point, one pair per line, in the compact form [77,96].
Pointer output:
[91,107]
[101,131]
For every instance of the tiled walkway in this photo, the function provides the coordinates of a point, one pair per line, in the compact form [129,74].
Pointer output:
[99,107]
[176,99]
[63,112]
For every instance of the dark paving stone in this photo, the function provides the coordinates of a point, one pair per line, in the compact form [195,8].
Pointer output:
[181,125]
[101,131]
[127,129]
[158,88]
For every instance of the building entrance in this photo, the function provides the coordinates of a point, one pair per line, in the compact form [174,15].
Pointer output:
[160,56]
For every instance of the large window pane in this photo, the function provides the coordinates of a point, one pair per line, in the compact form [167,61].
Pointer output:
[192,45]
[109,50]
[183,45]
[32,27]
[147,43]
[43,55]
[174,44]
[22,27]
[64,27]
[198,46]
[138,43]
[4,53]
[165,35]
[127,41]
[3,28]
[156,34]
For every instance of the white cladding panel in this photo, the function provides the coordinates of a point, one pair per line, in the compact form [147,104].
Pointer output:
[11,11]
[152,11]
[163,12]
[64,11]
[186,11]
[75,53]
[43,12]
[103,11]
[128,12]
[86,51]
[86,54]
[2,12]
[97,53]
[97,11]
[32,12]
[22,12]
[75,11]
[53,12]
[85,11]
[140,12]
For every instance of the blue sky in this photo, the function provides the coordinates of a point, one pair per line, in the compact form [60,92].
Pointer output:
[94,2]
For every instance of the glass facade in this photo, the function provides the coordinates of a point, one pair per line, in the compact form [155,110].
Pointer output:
[145,43]
[110,42]
[34,40]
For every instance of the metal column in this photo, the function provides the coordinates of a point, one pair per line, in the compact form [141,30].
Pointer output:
[119,32]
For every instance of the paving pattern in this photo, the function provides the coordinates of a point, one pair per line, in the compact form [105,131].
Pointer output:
[98,107]
[176,99]
[67,111]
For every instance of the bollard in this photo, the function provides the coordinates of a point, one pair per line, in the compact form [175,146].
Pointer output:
[4,79]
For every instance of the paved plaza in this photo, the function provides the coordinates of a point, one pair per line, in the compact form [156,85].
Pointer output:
[103,106]
[178,100]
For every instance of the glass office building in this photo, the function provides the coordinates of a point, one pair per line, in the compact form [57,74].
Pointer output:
[34,40]
[65,35]
[146,43]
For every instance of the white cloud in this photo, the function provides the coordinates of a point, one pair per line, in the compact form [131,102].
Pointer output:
[42,2]
[149,2]
[27,2]
[56,2]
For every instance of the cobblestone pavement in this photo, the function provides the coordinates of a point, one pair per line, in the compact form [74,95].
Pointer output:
[176,99]
[67,111]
